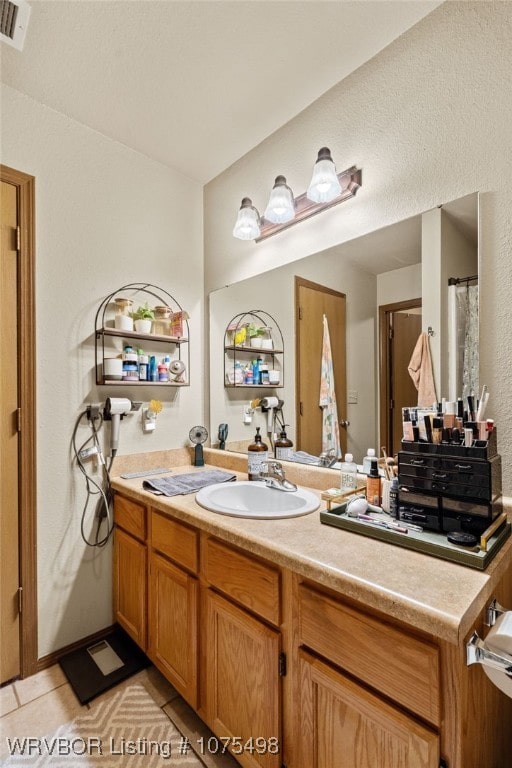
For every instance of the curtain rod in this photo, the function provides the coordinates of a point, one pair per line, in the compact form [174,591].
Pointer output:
[457,280]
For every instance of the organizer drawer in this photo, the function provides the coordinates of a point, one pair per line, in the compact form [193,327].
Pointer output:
[442,482]
[176,540]
[130,516]
[251,583]
[454,475]
[401,666]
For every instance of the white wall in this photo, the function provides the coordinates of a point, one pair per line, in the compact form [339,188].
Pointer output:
[428,121]
[399,285]
[105,216]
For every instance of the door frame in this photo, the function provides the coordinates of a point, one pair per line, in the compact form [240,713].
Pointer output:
[25,186]
[385,312]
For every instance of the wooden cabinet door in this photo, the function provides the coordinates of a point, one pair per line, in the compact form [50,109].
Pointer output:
[173,598]
[344,725]
[242,682]
[130,585]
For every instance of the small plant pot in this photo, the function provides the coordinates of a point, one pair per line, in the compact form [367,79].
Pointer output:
[256,342]
[143,326]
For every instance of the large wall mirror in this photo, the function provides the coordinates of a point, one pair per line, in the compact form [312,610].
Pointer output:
[395,282]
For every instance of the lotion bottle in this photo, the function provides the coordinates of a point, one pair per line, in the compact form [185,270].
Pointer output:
[367,460]
[257,455]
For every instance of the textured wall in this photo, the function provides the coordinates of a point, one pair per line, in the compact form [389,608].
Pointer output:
[105,216]
[428,120]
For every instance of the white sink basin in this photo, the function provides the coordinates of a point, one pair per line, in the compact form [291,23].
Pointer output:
[255,499]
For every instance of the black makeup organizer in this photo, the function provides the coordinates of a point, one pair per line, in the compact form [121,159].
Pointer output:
[447,487]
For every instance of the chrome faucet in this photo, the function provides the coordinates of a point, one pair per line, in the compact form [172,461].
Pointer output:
[274,477]
[328,458]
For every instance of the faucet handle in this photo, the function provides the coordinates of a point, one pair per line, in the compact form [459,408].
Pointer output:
[276,467]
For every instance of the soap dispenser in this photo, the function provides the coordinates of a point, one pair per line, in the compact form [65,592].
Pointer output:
[283,446]
[257,455]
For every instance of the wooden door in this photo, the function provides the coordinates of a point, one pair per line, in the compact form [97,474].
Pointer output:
[172,642]
[9,555]
[400,327]
[130,586]
[18,565]
[406,330]
[242,682]
[312,302]
[343,724]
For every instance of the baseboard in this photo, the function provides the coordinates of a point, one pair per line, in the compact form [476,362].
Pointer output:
[52,658]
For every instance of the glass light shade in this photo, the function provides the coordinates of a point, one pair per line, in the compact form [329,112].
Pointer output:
[324,185]
[281,206]
[247,226]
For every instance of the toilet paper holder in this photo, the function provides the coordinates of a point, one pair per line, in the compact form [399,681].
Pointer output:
[477,652]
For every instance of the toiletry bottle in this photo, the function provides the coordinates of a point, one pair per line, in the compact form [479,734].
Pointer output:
[373,484]
[248,375]
[393,498]
[143,365]
[348,474]
[256,371]
[257,455]
[283,446]
[152,369]
[367,460]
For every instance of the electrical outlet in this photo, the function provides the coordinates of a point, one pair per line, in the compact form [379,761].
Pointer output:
[352,396]
[93,411]
[148,420]
[248,413]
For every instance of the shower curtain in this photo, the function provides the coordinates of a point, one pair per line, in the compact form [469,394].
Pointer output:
[463,340]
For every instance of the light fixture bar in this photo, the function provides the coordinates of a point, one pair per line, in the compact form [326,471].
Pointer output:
[350,181]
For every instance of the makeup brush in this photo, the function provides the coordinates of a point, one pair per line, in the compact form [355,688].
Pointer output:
[386,467]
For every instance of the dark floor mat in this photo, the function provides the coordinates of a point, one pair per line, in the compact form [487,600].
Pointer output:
[84,674]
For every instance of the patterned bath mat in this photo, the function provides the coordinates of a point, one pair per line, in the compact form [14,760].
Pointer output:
[126,729]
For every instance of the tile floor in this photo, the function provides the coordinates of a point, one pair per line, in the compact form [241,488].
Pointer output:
[36,706]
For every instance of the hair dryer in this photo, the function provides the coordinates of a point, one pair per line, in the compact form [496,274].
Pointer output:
[115,409]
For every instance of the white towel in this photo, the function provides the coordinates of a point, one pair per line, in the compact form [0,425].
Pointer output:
[420,370]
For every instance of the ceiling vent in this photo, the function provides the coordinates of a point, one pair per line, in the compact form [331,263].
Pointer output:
[14,18]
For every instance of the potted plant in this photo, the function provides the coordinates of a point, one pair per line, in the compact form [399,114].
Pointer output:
[256,334]
[143,318]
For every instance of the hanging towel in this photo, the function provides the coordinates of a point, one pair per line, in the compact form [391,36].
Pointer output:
[420,370]
[330,424]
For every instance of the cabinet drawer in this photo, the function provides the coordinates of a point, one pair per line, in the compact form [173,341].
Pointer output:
[176,540]
[131,516]
[402,667]
[251,583]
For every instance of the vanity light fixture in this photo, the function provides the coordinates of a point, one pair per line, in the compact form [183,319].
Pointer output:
[327,188]
[247,225]
[324,185]
[281,205]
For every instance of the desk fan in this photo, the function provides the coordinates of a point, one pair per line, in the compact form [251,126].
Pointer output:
[198,436]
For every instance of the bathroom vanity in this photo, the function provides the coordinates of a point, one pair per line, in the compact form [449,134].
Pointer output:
[303,646]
